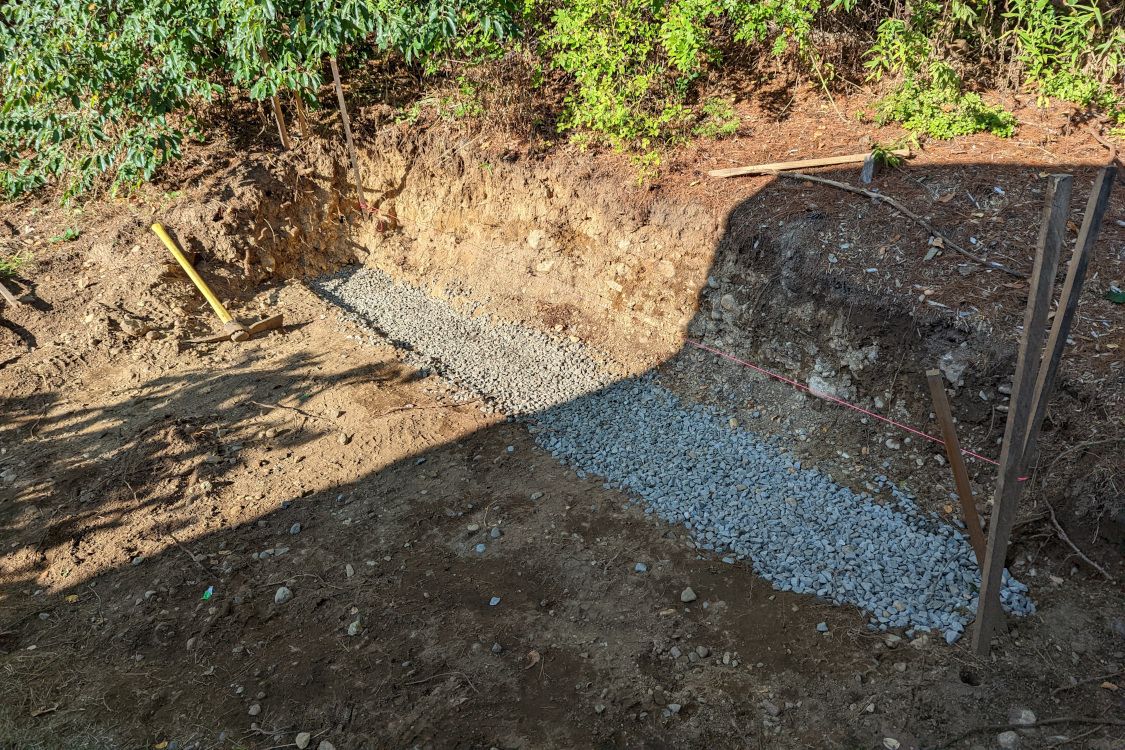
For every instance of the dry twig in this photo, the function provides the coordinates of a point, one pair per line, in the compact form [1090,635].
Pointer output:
[1041,723]
[1087,681]
[1073,546]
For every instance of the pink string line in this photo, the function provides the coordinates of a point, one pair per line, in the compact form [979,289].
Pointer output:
[840,401]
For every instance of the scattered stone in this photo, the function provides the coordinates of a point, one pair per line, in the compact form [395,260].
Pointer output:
[771,709]
[473,528]
[302,740]
[687,596]
[1021,717]
[255,710]
[674,708]
[600,708]
[494,601]
[536,495]
[325,745]
[675,652]
[354,627]
[295,529]
[349,571]
[283,595]
[1008,740]
[822,627]
[138,559]
[343,438]
[495,532]
[640,568]
[497,648]
[480,548]
[703,651]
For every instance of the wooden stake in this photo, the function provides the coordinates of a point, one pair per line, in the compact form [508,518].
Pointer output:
[781,166]
[279,116]
[302,115]
[1008,486]
[1068,304]
[347,132]
[957,463]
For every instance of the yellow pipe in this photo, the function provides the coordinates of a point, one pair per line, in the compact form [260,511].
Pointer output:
[185,264]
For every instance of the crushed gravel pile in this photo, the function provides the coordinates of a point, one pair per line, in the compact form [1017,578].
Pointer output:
[738,493]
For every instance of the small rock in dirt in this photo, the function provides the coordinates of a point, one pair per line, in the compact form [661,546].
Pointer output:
[325,745]
[687,596]
[822,627]
[295,529]
[674,708]
[473,528]
[640,568]
[497,648]
[1008,740]
[771,708]
[703,651]
[536,495]
[675,652]
[600,708]
[283,595]
[1021,717]
[138,559]
[480,548]
[495,532]
[893,444]
[302,740]
[891,743]
[355,627]
[900,666]
[349,571]
[892,640]
[343,438]
[494,601]
[255,710]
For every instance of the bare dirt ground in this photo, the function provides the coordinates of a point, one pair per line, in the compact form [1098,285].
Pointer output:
[155,498]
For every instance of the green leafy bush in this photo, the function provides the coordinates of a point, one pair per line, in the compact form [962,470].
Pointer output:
[939,108]
[718,120]
[91,89]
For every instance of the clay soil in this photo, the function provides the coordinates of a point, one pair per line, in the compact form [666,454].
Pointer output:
[154,497]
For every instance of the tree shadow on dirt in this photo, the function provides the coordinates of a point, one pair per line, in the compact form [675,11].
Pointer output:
[138,589]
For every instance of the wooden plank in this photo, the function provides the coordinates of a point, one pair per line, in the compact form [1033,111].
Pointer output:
[279,116]
[1068,305]
[957,463]
[782,166]
[347,132]
[1008,485]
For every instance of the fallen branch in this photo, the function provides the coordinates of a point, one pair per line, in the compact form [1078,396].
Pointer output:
[1043,723]
[1113,155]
[1062,535]
[898,206]
[8,296]
[779,166]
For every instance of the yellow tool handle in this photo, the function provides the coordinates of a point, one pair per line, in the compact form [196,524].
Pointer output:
[185,264]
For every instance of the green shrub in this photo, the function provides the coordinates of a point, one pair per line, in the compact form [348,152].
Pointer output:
[939,108]
[718,120]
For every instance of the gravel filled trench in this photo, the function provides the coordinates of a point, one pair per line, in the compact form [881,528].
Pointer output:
[743,497]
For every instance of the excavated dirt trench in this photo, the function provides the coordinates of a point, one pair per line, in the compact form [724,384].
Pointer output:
[228,448]
[578,251]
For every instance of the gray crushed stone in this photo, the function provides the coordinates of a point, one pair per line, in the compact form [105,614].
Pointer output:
[736,492]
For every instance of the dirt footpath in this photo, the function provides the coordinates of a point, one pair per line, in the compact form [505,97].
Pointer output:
[228,547]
